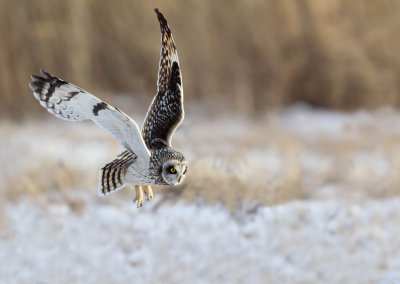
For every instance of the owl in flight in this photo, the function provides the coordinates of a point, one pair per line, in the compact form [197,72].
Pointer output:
[149,158]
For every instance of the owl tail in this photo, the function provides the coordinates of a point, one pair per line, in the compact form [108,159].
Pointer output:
[112,175]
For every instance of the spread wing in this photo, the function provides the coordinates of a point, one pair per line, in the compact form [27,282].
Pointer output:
[166,111]
[71,103]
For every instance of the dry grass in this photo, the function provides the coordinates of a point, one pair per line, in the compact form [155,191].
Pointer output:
[269,160]
[337,54]
[51,182]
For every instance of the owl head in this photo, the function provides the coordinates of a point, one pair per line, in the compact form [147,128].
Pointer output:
[174,171]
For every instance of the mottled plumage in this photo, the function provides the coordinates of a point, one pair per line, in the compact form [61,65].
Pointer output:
[166,110]
[149,158]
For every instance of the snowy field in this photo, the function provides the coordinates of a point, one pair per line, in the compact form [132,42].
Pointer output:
[298,196]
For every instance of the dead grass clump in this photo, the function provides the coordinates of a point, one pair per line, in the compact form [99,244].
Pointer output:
[270,160]
[51,182]
[213,180]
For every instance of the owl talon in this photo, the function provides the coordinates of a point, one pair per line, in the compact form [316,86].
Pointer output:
[148,191]
[139,196]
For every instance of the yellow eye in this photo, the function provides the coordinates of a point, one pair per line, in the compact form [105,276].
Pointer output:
[172,170]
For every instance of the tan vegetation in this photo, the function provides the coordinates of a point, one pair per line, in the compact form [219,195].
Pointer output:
[255,54]
[266,161]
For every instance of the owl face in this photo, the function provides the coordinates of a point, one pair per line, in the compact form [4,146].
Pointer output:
[174,171]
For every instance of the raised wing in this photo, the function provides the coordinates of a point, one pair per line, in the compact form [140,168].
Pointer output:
[166,111]
[71,103]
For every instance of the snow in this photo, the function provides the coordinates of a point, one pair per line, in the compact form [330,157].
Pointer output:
[335,217]
[302,242]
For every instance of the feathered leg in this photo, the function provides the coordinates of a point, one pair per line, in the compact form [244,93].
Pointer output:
[148,191]
[139,195]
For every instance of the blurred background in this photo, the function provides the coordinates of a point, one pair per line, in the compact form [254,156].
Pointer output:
[253,54]
[292,130]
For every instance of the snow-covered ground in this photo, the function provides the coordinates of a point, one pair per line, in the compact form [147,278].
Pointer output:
[297,242]
[299,196]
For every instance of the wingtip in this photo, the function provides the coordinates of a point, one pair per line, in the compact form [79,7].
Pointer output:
[160,17]
[32,87]
[36,78]
[45,74]
[159,14]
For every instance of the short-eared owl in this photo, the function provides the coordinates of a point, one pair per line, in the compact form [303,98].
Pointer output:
[148,158]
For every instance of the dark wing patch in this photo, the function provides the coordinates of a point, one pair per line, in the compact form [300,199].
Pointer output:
[99,107]
[166,111]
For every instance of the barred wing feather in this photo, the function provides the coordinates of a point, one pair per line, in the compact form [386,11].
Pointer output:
[71,103]
[166,111]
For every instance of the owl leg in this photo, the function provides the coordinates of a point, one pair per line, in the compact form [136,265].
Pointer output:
[148,191]
[139,196]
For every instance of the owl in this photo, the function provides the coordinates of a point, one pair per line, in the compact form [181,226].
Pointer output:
[148,157]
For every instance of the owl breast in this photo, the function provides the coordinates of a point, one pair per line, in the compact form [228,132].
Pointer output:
[137,175]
